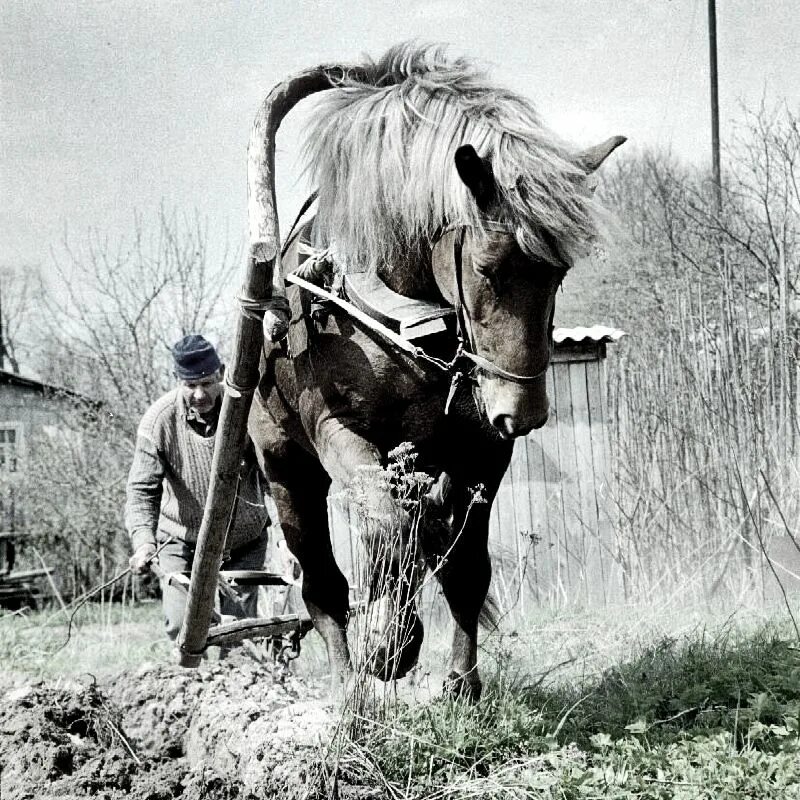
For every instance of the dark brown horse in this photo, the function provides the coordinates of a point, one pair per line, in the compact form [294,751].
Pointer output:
[449,190]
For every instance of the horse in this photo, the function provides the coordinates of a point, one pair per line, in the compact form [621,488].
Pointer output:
[448,189]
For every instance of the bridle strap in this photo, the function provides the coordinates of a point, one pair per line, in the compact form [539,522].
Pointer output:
[466,343]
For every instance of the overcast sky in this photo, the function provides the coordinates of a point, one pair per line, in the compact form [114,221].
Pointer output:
[110,107]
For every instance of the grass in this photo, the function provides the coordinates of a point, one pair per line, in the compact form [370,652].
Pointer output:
[649,701]
[702,716]
[105,639]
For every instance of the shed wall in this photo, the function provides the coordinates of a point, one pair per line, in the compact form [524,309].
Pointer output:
[550,530]
[29,410]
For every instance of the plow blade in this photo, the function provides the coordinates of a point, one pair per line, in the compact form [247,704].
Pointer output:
[257,628]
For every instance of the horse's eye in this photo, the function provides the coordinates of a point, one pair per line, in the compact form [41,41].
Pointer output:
[491,277]
[545,275]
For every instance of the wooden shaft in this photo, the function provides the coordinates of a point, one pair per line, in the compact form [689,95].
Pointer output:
[262,206]
[240,382]
[242,374]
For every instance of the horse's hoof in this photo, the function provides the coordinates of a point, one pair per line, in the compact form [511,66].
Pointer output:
[463,687]
[390,662]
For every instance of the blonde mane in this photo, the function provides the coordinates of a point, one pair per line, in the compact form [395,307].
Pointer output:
[382,151]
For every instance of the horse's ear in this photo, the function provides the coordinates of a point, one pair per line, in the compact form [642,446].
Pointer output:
[477,175]
[593,157]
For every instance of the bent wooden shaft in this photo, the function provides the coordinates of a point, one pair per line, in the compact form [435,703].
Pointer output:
[242,374]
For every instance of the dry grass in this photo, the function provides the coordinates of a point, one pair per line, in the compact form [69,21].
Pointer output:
[705,442]
[105,639]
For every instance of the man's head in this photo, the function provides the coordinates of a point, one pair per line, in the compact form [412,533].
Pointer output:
[199,371]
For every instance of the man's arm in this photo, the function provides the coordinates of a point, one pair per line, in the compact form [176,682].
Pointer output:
[143,501]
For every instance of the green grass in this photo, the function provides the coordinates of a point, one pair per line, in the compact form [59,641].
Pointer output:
[696,717]
[104,640]
[707,685]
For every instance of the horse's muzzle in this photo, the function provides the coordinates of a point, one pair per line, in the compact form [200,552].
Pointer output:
[515,411]
[510,427]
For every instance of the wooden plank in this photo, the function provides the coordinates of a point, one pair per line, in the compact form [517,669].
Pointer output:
[520,498]
[504,553]
[554,507]
[570,543]
[585,351]
[543,546]
[529,536]
[612,572]
[26,575]
[587,523]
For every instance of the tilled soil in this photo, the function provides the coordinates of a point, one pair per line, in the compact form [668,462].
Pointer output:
[232,729]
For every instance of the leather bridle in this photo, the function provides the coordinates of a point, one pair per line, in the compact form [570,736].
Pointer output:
[466,342]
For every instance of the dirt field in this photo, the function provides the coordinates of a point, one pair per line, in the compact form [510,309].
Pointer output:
[230,729]
[681,696]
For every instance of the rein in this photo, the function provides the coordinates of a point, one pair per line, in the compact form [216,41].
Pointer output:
[465,361]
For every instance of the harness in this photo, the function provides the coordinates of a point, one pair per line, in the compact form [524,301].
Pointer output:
[466,361]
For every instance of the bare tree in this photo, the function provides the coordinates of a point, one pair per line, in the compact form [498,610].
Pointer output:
[113,310]
[706,396]
[20,306]
[116,308]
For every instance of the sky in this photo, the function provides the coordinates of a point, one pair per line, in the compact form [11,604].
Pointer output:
[111,108]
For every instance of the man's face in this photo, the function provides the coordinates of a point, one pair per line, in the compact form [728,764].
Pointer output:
[202,394]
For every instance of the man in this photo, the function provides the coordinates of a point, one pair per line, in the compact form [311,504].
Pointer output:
[169,479]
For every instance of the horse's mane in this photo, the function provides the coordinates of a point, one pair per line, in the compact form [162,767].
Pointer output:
[381,151]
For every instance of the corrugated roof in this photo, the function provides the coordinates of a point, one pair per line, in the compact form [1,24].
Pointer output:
[597,334]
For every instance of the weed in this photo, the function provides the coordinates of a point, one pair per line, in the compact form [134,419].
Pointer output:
[705,717]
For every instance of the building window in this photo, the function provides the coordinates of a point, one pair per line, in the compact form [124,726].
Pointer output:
[10,446]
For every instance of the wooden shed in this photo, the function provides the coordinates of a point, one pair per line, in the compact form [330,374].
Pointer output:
[550,534]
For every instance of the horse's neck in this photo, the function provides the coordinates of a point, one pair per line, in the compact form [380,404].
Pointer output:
[412,279]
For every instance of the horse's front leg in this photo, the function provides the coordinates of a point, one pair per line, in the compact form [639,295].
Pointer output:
[299,487]
[465,576]
[475,467]
[394,563]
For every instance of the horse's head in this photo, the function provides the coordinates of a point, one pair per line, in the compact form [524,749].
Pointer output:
[505,298]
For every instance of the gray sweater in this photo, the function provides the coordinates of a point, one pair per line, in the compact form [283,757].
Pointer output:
[169,478]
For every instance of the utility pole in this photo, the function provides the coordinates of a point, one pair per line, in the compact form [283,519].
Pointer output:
[2,335]
[712,49]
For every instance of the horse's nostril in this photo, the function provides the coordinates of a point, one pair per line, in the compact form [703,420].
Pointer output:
[510,428]
[504,423]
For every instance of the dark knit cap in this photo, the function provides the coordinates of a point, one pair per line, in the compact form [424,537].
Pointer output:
[195,358]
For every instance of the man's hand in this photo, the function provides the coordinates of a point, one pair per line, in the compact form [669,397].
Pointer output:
[141,558]
[276,324]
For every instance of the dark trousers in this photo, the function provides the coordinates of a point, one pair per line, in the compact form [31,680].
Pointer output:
[177,556]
